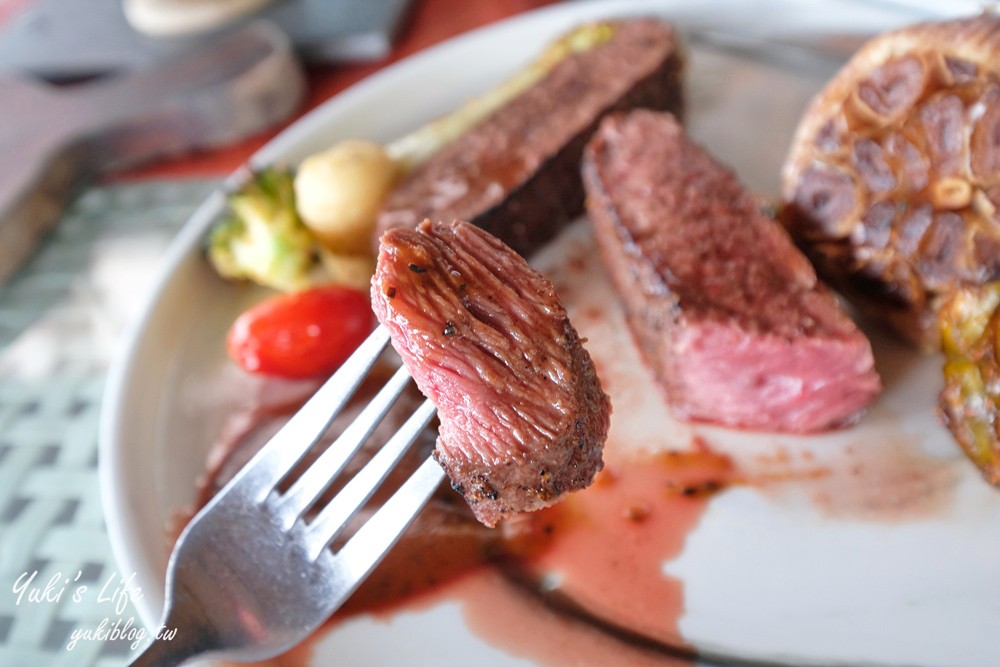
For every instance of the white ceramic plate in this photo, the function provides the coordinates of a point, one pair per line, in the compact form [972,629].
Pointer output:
[889,558]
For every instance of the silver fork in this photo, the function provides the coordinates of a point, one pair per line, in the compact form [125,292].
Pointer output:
[250,577]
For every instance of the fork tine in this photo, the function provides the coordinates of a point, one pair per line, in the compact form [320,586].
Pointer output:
[307,488]
[287,447]
[334,517]
[367,547]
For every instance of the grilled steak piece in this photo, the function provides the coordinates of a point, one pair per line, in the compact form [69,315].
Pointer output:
[523,417]
[516,173]
[727,313]
[892,180]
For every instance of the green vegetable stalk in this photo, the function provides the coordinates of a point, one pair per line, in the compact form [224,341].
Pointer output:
[419,145]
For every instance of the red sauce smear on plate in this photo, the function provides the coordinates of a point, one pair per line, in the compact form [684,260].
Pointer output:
[605,547]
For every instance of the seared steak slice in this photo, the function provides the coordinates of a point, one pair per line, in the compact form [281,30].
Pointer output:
[516,174]
[523,417]
[727,313]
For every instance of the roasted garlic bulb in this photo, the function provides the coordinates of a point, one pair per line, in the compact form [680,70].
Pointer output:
[970,400]
[892,183]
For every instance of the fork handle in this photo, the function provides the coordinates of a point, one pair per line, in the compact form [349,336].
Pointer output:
[163,653]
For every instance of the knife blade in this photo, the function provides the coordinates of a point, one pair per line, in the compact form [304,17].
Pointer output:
[73,39]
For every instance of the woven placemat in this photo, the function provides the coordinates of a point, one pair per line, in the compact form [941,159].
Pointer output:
[61,318]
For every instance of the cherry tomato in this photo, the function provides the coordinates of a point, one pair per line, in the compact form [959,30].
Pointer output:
[301,334]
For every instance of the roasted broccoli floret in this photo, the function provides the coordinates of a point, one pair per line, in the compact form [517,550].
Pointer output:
[262,238]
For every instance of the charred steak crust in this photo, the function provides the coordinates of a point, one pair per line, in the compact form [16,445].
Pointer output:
[516,174]
[726,312]
[485,337]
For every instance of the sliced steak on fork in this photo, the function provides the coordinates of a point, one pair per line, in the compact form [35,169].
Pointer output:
[485,337]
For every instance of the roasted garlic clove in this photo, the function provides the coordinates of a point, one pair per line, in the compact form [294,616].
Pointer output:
[892,182]
[970,401]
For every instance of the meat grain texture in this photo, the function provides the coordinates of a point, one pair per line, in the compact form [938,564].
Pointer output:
[485,337]
[516,174]
[726,311]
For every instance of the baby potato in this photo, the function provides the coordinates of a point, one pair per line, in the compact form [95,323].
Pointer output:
[338,193]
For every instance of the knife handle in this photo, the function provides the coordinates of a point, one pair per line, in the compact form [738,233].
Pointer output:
[59,138]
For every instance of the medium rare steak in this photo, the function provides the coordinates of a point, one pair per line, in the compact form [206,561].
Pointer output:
[516,174]
[523,417]
[727,313]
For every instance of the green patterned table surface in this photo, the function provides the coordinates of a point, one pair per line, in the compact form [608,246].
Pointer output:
[61,319]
